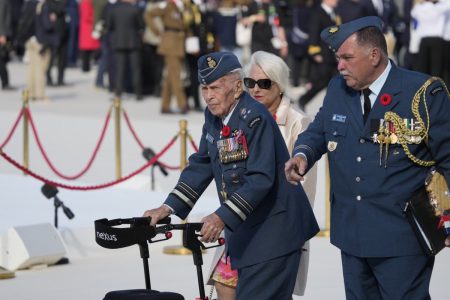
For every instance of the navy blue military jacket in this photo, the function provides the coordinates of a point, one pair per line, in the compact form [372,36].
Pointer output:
[367,198]
[265,216]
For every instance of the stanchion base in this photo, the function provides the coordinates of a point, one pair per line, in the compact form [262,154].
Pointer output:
[62,261]
[5,274]
[177,250]
[324,233]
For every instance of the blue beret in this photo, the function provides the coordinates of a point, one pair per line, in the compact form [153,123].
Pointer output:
[214,65]
[334,36]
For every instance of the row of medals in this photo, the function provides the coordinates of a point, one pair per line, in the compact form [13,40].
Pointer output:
[388,135]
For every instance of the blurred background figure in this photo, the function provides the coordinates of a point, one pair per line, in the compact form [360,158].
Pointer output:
[105,62]
[88,45]
[153,63]
[172,48]
[323,62]
[199,26]
[126,26]
[268,23]
[224,19]
[38,45]
[6,31]
[298,40]
[58,16]
[73,23]
[430,19]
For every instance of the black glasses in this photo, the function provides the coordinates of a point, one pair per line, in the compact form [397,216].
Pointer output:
[262,83]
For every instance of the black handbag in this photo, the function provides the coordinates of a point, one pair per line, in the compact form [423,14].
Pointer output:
[424,210]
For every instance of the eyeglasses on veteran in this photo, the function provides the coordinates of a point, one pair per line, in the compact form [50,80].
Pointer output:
[262,83]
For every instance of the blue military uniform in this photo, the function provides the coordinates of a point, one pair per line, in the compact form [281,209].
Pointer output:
[265,217]
[368,191]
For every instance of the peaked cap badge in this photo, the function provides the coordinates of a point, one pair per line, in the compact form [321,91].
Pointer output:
[211,62]
[333,29]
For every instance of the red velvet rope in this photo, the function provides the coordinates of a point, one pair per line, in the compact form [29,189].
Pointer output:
[193,143]
[13,129]
[91,160]
[133,132]
[93,187]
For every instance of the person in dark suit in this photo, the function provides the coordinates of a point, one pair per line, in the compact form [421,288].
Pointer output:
[242,149]
[58,14]
[5,37]
[323,63]
[370,184]
[125,25]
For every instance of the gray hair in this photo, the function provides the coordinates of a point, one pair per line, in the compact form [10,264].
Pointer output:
[271,64]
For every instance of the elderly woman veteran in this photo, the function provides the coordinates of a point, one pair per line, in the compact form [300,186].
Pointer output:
[267,80]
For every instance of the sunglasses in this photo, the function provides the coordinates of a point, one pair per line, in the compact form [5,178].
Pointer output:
[262,83]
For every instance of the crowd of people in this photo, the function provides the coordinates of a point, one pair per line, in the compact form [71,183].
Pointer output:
[151,47]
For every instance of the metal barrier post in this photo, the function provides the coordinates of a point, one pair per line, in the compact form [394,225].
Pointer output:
[118,111]
[26,140]
[180,250]
[326,231]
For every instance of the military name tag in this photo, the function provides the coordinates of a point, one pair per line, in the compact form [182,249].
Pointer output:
[339,118]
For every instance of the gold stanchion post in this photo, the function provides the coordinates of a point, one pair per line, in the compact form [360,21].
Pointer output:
[179,249]
[118,111]
[26,143]
[326,231]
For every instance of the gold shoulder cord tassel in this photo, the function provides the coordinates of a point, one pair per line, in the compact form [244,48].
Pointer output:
[403,133]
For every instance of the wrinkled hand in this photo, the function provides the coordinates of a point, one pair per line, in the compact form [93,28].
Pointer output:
[211,229]
[295,169]
[447,241]
[157,214]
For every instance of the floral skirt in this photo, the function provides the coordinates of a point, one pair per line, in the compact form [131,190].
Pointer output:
[224,274]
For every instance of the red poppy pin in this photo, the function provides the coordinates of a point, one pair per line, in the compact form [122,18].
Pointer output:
[274,116]
[385,99]
[226,131]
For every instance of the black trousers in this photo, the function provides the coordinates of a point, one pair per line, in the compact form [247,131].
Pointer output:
[58,54]
[128,59]
[3,71]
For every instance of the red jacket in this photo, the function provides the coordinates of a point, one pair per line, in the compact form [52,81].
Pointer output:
[86,41]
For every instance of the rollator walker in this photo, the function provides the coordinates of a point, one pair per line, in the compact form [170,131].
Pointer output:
[141,233]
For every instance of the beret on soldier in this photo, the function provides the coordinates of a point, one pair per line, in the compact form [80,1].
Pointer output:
[214,65]
[335,35]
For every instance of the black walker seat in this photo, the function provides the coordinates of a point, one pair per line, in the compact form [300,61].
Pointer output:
[140,232]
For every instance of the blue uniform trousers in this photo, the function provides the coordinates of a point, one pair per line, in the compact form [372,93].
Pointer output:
[399,278]
[273,279]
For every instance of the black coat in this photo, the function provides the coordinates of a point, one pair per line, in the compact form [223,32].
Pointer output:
[125,24]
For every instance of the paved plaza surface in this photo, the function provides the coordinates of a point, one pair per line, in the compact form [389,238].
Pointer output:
[69,127]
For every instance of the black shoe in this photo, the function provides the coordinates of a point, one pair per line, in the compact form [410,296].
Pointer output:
[9,88]
[139,97]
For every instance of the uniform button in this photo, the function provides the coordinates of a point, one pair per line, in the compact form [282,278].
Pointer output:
[362,141]
[234,166]
[358,198]
[335,133]
[358,159]
[358,179]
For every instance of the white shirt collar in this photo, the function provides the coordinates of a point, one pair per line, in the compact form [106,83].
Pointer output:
[227,117]
[376,86]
